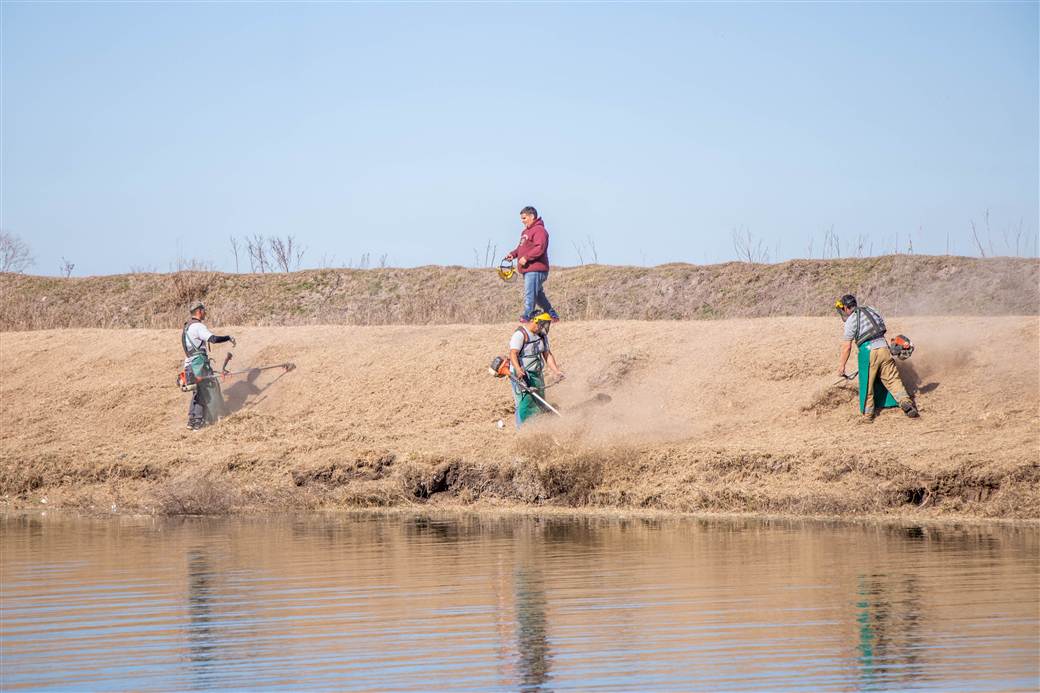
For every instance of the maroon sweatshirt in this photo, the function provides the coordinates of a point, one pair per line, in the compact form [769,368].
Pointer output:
[534,245]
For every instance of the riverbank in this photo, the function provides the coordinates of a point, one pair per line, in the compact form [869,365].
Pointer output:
[733,416]
[900,284]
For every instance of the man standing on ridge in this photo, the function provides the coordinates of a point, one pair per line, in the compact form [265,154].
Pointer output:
[532,259]
[207,404]
[866,327]
[529,353]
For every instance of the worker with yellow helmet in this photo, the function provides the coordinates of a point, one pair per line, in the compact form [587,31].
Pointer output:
[529,353]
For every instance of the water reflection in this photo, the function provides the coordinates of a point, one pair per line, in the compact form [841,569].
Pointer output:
[428,602]
[889,629]
[201,632]
[532,640]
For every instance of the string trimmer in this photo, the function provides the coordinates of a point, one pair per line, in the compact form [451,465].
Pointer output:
[224,374]
[524,388]
[845,378]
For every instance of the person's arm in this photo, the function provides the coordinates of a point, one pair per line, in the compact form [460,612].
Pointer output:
[514,358]
[846,349]
[550,361]
[220,339]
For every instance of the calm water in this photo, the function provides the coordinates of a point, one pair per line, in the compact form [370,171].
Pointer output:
[422,603]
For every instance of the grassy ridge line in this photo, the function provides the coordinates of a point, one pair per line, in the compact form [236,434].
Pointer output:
[898,284]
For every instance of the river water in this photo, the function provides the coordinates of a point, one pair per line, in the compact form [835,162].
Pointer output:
[411,602]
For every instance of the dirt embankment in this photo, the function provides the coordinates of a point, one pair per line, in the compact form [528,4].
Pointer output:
[706,416]
[901,284]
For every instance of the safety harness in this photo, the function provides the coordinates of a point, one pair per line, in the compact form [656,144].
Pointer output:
[876,329]
[190,350]
[539,345]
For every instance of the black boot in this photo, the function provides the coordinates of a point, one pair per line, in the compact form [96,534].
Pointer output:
[909,409]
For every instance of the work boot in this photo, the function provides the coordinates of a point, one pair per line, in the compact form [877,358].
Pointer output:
[868,415]
[196,424]
[909,409]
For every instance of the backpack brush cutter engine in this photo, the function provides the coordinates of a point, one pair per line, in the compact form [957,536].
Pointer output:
[901,347]
[499,367]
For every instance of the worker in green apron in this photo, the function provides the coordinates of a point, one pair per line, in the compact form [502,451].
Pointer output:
[865,328]
[529,353]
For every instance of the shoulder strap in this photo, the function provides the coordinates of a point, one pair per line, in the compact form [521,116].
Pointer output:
[875,330]
[526,335]
[189,348]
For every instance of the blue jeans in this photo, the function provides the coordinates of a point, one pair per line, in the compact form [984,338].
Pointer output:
[534,295]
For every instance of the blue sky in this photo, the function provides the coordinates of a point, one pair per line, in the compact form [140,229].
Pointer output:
[134,134]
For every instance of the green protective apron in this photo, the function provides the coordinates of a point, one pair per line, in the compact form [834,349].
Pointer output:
[200,365]
[526,405]
[209,394]
[883,399]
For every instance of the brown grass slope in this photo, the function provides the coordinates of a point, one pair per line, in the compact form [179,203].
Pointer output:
[900,284]
[708,416]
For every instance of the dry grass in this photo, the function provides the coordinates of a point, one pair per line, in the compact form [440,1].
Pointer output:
[709,416]
[196,491]
[903,284]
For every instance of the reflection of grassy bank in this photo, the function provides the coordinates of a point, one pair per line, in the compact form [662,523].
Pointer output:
[900,284]
[734,416]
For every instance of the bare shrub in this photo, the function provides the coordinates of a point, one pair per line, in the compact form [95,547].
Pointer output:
[256,248]
[286,253]
[191,281]
[831,243]
[748,248]
[66,268]
[15,255]
[490,256]
[975,237]
[234,250]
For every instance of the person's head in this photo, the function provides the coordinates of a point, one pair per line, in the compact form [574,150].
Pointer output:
[539,324]
[845,305]
[197,309]
[528,215]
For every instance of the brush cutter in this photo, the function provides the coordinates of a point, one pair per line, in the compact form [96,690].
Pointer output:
[524,388]
[845,378]
[182,378]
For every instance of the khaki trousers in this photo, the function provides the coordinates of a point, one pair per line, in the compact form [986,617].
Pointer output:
[883,366]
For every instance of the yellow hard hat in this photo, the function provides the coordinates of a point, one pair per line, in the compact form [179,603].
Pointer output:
[542,317]
[506,271]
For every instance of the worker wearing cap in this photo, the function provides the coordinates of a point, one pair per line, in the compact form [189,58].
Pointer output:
[529,353]
[865,327]
[207,404]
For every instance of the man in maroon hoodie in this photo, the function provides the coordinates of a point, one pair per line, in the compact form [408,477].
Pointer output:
[532,258]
